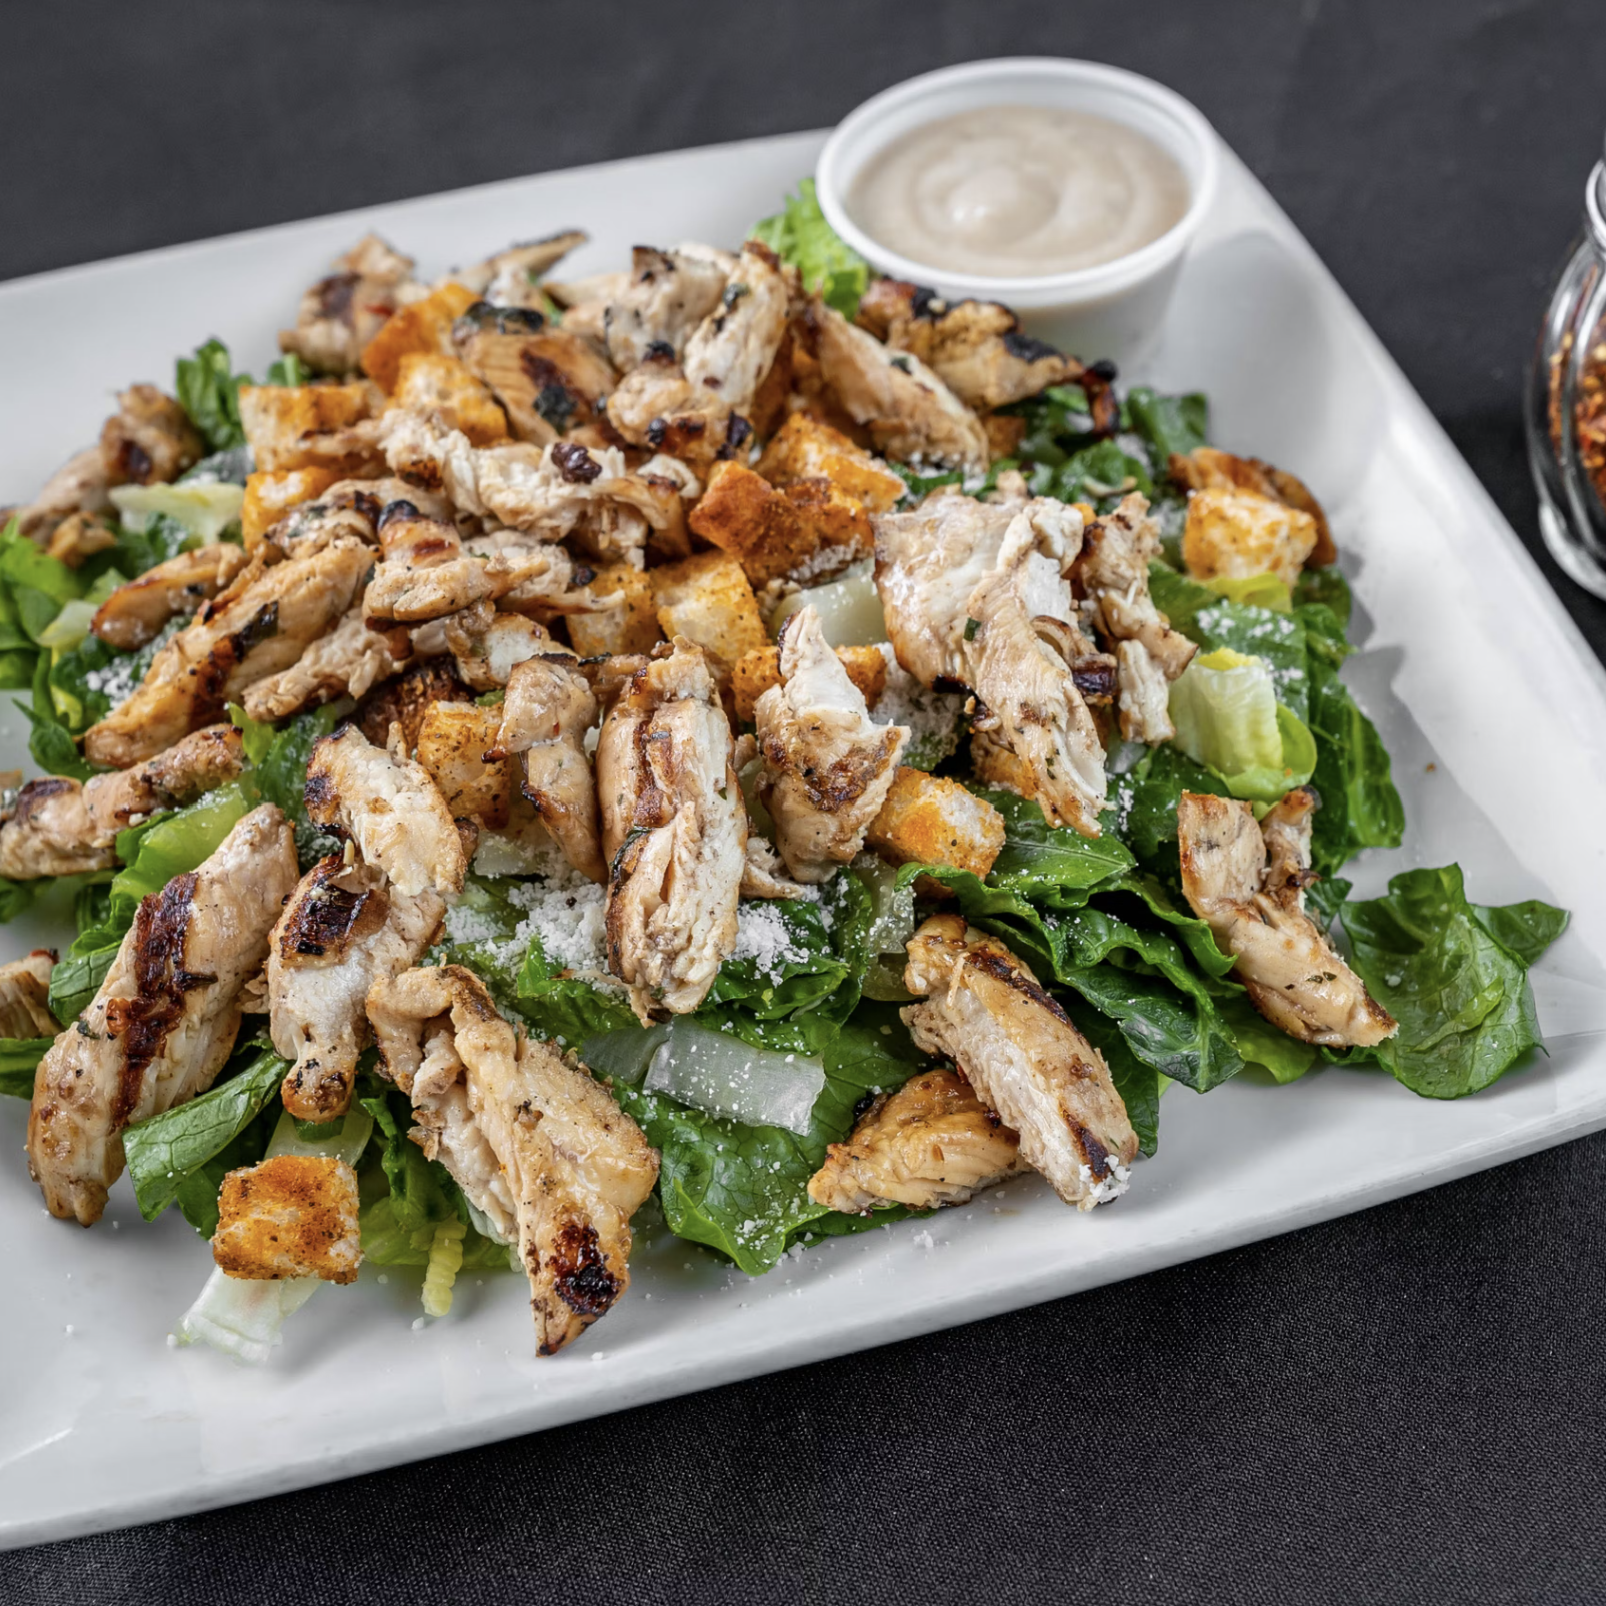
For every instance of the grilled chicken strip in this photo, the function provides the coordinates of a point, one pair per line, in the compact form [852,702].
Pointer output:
[977,348]
[512,278]
[975,595]
[261,623]
[389,807]
[135,613]
[667,295]
[656,406]
[344,928]
[488,646]
[534,1143]
[561,490]
[25,996]
[546,714]
[65,827]
[674,830]
[1023,1056]
[1248,882]
[346,662]
[827,765]
[165,1018]
[425,573]
[910,414]
[1114,571]
[148,440]
[340,314]
[931,1143]
[734,347]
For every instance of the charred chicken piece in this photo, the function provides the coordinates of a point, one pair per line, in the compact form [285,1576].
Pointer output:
[1248,882]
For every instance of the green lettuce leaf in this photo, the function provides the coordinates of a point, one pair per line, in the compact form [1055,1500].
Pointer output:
[743,1190]
[799,234]
[19,1059]
[1170,424]
[1443,968]
[1361,806]
[182,1155]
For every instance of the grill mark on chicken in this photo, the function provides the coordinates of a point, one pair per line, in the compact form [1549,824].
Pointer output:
[580,1274]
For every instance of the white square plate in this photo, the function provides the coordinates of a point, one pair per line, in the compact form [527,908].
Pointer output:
[1492,705]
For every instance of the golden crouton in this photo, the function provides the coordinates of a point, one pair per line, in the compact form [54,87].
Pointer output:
[1236,534]
[423,325]
[404,699]
[292,1216]
[432,382]
[930,820]
[756,672]
[1207,469]
[744,515]
[310,426]
[631,627]
[270,495]
[707,599]
[806,449]
[452,742]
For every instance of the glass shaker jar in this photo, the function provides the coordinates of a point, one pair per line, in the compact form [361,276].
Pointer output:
[1566,405]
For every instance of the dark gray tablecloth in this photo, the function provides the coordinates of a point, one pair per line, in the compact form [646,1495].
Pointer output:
[1405,1405]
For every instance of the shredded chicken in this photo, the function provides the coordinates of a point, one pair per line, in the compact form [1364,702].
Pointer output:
[512,278]
[1248,882]
[827,765]
[488,646]
[261,623]
[25,996]
[910,414]
[1114,571]
[548,709]
[344,928]
[977,348]
[135,613]
[149,440]
[674,831]
[931,1143]
[732,349]
[340,314]
[667,295]
[425,573]
[560,491]
[1024,1057]
[346,662]
[975,595]
[387,805]
[65,827]
[536,1145]
[165,1017]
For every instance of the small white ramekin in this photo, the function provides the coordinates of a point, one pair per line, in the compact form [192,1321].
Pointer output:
[1114,309]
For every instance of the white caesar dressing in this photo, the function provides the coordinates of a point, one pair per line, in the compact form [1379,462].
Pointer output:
[1018,192]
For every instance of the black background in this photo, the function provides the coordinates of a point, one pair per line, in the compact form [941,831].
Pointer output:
[1405,1405]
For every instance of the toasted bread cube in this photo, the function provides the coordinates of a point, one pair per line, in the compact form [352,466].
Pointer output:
[927,819]
[424,325]
[292,1216]
[432,382]
[1236,534]
[707,599]
[756,672]
[302,426]
[452,742]
[270,495]
[631,627]
[744,515]
[1208,469]
[806,449]
[840,521]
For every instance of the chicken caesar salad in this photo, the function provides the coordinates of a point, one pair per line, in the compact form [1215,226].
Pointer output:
[737,732]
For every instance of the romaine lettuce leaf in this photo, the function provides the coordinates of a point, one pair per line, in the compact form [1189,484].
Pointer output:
[19,1059]
[1361,807]
[182,1155]
[1228,718]
[1454,975]
[1169,424]
[799,234]
[743,1190]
